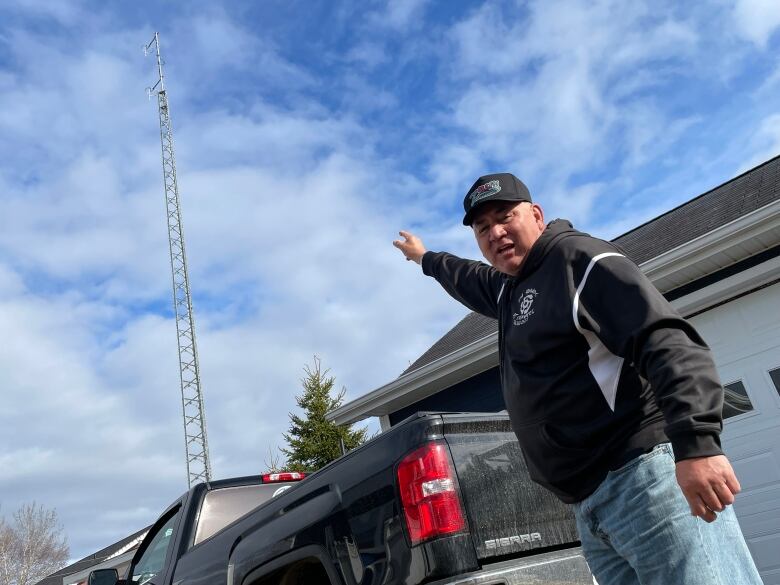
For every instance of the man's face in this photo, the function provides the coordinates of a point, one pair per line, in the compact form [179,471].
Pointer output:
[505,232]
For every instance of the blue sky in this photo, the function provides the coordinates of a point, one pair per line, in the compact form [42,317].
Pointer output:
[307,134]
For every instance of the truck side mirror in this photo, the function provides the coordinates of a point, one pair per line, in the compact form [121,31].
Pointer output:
[103,577]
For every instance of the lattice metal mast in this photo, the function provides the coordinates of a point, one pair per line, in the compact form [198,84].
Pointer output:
[196,442]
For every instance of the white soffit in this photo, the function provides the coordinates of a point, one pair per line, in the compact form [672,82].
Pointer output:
[729,287]
[723,246]
[739,239]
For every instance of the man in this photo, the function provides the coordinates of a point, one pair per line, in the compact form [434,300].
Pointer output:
[611,393]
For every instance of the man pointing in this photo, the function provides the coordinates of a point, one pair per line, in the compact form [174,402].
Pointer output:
[613,396]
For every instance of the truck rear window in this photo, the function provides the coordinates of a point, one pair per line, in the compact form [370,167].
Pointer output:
[225,505]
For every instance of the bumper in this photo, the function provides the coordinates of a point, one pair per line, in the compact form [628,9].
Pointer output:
[566,567]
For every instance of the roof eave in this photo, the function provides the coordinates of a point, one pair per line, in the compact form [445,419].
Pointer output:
[468,361]
[109,563]
[730,235]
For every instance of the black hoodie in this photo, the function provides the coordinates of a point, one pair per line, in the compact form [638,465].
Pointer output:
[596,366]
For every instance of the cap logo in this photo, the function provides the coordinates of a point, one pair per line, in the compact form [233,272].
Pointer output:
[483,191]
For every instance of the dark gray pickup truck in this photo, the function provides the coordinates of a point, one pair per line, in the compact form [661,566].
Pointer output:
[439,498]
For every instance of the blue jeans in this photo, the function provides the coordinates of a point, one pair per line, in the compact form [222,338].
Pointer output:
[637,528]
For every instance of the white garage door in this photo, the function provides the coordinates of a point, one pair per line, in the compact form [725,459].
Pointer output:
[745,339]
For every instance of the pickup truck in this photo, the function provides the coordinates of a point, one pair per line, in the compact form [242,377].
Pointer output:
[439,498]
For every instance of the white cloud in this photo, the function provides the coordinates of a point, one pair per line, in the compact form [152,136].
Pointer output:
[11,284]
[369,53]
[401,15]
[66,13]
[757,20]
[764,144]
[202,50]
[25,463]
[575,203]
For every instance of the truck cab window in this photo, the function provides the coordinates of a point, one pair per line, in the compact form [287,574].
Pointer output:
[152,560]
[225,505]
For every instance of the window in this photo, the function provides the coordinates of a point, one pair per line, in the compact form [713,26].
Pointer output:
[152,561]
[775,375]
[225,505]
[736,400]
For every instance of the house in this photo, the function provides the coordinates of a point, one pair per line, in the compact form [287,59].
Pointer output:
[716,258]
[116,556]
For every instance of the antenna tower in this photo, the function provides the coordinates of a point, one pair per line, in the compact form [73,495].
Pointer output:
[196,442]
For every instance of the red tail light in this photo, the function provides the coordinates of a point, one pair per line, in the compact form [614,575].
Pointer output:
[429,495]
[285,476]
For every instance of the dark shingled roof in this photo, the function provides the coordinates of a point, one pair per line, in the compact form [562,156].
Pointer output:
[90,560]
[747,192]
[471,328]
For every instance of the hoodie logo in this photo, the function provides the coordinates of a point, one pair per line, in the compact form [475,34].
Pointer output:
[484,190]
[526,307]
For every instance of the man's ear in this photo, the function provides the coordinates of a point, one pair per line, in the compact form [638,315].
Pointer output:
[538,215]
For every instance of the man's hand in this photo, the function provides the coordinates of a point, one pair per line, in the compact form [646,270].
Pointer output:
[708,483]
[411,246]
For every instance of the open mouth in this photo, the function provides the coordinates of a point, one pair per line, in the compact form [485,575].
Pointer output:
[504,249]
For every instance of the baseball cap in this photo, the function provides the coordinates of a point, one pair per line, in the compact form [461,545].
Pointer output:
[495,187]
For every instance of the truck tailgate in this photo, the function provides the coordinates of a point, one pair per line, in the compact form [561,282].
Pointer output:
[506,511]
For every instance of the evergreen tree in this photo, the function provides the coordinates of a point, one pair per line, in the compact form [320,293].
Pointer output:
[314,441]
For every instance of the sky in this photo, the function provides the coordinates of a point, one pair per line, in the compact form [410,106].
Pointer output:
[307,133]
